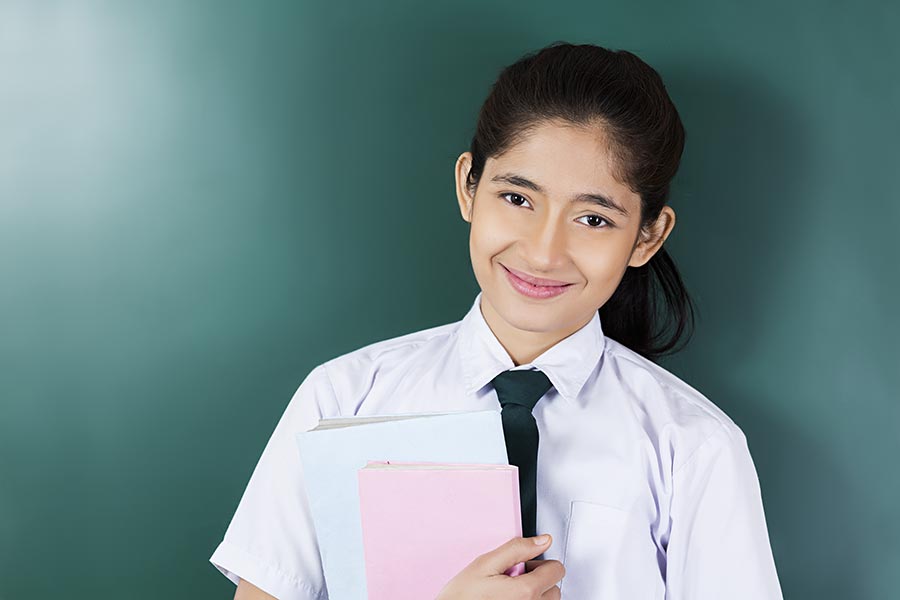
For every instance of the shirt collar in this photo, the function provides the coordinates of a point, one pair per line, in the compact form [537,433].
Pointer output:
[568,363]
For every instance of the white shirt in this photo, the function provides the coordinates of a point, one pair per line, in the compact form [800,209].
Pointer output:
[646,486]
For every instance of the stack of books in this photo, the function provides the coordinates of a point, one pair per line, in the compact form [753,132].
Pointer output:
[402,503]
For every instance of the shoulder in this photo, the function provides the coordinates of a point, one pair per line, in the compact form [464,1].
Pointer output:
[353,374]
[391,350]
[670,410]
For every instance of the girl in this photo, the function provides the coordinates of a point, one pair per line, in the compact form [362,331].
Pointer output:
[645,487]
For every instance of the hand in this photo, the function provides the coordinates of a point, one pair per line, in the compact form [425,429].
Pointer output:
[484,577]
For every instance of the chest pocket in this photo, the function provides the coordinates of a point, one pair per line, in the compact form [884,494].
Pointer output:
[610,555]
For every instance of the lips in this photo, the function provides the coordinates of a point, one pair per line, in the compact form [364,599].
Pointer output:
[535,292]
[536,280]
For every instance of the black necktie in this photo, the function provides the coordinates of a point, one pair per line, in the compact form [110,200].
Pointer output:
[518,392]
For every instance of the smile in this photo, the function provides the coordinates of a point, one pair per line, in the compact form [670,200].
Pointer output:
[534,291]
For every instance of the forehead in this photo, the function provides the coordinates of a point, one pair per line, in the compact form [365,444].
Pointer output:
[564,159]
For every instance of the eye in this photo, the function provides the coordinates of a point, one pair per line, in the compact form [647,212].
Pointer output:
[513,194]
[596,219]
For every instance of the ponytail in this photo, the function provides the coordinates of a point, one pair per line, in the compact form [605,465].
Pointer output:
[651,309]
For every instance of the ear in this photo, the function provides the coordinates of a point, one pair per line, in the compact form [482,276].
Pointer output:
[648,243]
[466,201]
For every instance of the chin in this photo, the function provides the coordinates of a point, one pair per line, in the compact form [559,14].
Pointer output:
[520,313]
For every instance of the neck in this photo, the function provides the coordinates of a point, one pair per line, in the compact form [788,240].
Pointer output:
[521,345]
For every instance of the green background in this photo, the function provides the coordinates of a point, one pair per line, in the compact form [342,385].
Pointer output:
[200,201]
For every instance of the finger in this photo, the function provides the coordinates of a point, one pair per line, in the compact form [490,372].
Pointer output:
[530,565]
[547,574]
[514,551]
[551,594]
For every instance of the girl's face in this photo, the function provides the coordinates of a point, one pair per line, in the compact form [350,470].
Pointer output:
[551,208]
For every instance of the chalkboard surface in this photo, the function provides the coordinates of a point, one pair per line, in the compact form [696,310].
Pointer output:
[200,201]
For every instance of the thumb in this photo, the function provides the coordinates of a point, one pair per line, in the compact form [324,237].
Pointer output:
[514,551]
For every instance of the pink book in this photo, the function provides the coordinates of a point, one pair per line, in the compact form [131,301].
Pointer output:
[424,522]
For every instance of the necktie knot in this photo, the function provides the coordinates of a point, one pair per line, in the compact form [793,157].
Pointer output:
[522,387]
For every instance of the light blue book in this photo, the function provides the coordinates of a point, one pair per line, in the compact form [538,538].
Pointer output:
[337,448]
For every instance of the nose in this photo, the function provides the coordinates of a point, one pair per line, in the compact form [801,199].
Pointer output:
[546,246]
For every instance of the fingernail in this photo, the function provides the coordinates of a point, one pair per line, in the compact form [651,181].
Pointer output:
[541,539]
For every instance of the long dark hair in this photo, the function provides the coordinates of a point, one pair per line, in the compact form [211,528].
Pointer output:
[591,85]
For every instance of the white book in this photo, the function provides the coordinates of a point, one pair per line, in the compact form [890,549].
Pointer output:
[334,451]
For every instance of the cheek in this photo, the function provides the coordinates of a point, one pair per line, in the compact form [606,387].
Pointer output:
[489,234]
[604,263]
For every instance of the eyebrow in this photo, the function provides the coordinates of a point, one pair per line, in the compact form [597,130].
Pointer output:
[598,199]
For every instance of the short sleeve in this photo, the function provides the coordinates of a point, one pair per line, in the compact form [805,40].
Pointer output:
[718,546]
[271,541]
